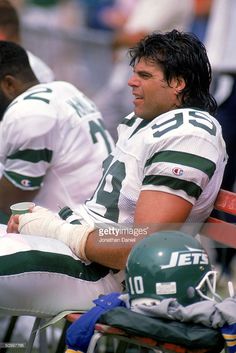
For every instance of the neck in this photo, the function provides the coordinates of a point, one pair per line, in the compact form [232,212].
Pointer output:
[25,86]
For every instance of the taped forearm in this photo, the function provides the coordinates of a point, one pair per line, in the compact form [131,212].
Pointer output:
[44,223]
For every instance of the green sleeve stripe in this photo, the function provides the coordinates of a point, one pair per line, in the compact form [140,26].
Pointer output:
[189,187]
[25,181]
[187,159]
[33,156]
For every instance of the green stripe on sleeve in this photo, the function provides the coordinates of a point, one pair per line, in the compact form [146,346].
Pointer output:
[189,187]
[33,156]
[24,181]
[183,158]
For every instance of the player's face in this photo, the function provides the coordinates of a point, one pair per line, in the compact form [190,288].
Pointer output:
[152,95]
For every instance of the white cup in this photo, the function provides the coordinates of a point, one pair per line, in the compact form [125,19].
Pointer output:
[21,207]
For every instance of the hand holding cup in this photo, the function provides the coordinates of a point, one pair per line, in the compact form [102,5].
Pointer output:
[18,209]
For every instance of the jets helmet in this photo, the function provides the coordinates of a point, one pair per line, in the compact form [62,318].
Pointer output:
[169,264]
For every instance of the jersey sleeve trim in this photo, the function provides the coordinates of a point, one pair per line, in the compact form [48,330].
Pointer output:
[33,156]
[189,187]
[24,182]
[183,158]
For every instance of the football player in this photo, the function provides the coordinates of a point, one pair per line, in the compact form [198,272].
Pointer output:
[165,172]
[52,137]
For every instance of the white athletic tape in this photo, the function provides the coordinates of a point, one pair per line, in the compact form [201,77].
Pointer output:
[43,222]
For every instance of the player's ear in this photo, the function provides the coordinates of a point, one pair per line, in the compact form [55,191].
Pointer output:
[9,86]
[179,84]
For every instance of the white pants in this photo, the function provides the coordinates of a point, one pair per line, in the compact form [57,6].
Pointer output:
[42,277]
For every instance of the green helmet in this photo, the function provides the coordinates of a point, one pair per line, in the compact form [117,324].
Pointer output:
[169,264]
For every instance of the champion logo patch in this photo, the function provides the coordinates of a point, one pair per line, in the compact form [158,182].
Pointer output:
[177,171]
[25,182]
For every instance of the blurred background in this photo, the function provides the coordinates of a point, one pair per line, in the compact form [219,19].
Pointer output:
[59,32]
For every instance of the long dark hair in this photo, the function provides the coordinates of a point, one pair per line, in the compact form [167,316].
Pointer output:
[180,55]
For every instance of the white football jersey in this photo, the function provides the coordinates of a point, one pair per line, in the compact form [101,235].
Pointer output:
[52,138]
[181,152]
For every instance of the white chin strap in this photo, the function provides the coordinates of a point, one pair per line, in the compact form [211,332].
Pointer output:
[145,301]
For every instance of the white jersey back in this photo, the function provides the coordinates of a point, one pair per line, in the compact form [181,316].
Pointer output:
[181,152]
[52,138]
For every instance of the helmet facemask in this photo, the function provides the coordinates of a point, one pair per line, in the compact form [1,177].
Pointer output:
[206,288]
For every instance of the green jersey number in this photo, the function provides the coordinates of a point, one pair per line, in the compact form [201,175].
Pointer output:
[198,119]
[108,191]
[36,95]
[97,128]
[82,106]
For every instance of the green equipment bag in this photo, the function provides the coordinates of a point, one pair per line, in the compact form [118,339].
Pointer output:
[167,331]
